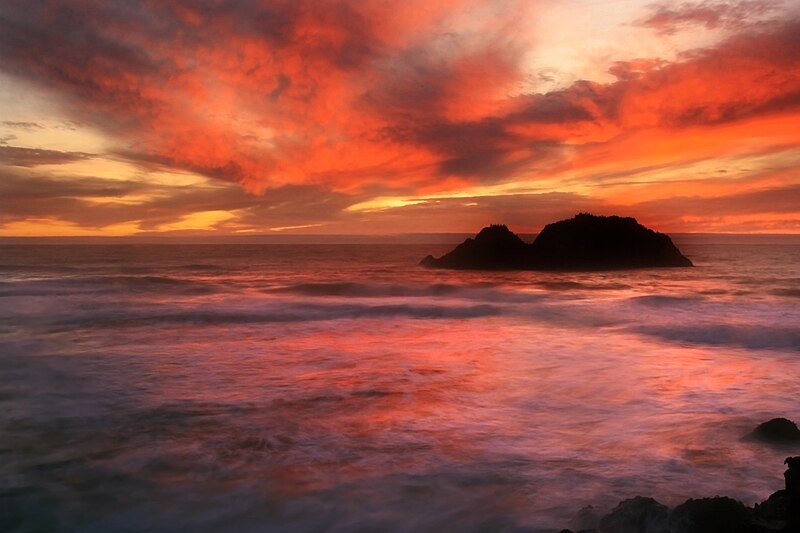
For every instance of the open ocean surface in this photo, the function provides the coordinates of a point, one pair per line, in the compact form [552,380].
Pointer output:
[344,388]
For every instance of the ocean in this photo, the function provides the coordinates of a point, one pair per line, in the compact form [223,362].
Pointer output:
[292,388]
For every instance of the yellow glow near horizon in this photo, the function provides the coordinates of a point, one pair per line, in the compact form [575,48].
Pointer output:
[202,220]
[54,227]
[290,228]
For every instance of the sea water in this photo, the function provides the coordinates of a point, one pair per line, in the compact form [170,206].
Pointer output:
[274,387]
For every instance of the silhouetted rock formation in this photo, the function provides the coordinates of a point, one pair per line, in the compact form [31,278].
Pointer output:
[777,431]
[584,242]
[494,248]
[780,513]
[635,516]
[783,506]
[712,515]
[588,242]
[792,476]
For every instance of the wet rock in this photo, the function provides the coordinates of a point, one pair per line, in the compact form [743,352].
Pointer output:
[588,518]
[778,431]
[773,513]
[780,513]
[584,242]
[636,515]
[712,515]
[792,477]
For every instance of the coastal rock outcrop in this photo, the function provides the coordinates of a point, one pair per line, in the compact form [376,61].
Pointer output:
[780,513]
[584,242]
[636,515]
[712,515]
[777,431]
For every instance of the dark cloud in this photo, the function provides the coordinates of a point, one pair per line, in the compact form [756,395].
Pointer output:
[28,126]
[31,157]
[769,200]
[24,195]
[85,49]
[469,148]
[670,18]
[23,188]
[556,107]
[115,52]
[93,202]
[342,33]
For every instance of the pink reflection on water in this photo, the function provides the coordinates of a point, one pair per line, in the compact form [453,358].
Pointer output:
[568,414]
[323,397]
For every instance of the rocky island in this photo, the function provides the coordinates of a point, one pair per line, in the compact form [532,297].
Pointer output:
[584,242]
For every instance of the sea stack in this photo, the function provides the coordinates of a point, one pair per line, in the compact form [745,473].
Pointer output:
[494,248]
[583,243]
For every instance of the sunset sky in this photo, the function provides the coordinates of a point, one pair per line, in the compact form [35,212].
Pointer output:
[373,116]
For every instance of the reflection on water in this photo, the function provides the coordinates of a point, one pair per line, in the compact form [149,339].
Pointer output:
[296,389]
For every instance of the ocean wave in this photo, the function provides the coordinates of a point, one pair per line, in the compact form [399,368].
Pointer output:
[741,336]
[104,284]
[28,268]
[790,292]
[485,292]
[200,267]
[369,290]
[282,312]
[568,285]
[664,300]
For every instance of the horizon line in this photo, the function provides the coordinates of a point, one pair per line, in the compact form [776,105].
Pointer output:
[315,238]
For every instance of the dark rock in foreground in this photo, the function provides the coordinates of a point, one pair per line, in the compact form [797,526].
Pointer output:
[712,515]
[775,510]
[777,431]
[780,513]
[584,242]
[636,515]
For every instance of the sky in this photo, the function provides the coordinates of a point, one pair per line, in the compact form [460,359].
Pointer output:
[183,117]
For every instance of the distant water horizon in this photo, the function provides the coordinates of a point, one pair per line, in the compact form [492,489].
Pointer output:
[389,238]
[338,387]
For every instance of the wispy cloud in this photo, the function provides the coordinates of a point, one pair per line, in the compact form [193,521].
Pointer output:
[669,18]
[31,157]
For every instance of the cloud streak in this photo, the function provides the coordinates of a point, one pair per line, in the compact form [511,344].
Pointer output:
[31,157]
[671,18]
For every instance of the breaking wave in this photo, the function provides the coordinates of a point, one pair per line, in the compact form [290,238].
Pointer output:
[750,337]
[104,285]
[281,312]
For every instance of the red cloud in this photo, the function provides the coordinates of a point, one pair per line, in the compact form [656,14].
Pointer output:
[350,94]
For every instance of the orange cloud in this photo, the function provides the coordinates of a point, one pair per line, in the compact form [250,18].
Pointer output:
[358,99]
